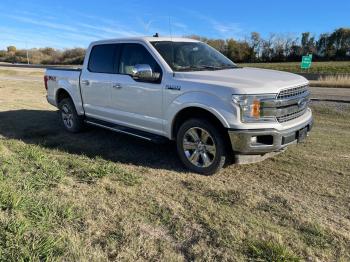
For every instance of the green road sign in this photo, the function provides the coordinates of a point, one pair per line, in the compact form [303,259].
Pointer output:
[306,62]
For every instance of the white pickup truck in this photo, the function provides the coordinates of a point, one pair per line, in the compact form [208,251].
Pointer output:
[183,90]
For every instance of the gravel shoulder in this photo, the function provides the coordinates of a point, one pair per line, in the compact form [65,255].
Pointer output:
[340,94]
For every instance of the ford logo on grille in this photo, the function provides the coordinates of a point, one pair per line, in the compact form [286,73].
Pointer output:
[302,102]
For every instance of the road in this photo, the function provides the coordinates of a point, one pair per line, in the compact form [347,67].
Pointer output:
[331,94]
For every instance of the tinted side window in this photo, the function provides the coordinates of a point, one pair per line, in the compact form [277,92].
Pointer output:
[102,59]
[133,54]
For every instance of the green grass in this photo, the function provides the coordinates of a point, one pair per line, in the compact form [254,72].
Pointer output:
[270,251]
[99,196]
[314,235]
[338,67]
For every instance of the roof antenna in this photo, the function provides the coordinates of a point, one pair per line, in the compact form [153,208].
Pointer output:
[170,29]
[172,43]
[156,35]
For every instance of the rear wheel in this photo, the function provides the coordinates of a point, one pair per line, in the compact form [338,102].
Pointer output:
[71,121]
[201,146]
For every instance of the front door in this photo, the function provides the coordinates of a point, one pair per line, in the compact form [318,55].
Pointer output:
[134,103]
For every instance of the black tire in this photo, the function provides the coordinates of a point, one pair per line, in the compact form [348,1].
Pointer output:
[76,122]
[216,138]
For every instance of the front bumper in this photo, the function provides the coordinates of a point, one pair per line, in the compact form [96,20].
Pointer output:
[262,141]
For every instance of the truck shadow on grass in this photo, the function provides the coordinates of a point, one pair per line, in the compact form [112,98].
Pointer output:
[42,128]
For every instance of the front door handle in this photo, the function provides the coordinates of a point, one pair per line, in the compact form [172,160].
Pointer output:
[85,82]
[117,86]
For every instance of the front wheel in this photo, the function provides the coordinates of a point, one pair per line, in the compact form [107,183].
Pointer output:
[201,147]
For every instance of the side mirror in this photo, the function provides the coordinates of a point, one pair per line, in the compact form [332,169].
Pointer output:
[144,72]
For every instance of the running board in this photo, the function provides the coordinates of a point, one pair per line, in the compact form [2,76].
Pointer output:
[126,130]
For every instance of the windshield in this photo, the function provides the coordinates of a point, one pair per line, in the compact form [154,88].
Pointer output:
[192,56]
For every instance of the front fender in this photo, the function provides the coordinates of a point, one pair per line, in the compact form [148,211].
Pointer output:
[222,109]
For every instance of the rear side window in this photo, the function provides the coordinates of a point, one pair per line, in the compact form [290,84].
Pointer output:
[102,59]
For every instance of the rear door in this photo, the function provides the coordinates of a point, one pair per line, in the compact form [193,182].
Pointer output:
[96,81]
[137,104]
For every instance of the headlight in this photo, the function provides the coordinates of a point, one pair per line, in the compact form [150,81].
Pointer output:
[252,107]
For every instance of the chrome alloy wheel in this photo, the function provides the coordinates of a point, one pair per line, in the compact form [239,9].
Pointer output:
[199,147]
[67,116]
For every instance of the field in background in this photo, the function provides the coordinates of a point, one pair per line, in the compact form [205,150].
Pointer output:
[340,81]
[337,67]
[21,72]
[99,195]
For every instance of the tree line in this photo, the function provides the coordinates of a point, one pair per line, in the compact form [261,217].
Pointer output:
[284,48]
[46,56]
[333,46]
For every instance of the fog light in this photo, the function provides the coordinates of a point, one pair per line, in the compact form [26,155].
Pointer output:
[253,140]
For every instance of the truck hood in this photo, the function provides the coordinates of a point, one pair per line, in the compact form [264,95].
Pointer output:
[246,80]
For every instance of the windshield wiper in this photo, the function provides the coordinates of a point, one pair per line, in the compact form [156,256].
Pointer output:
[229,67]
[216,67]
[195,68]
[201,67]
[205,67]
[209,67]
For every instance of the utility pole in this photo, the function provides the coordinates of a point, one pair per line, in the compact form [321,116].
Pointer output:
[27,53]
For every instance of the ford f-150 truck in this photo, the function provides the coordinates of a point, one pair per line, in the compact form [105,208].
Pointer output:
[183,90]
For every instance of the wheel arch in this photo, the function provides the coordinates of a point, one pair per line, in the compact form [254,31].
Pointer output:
[195,111]
[61,94]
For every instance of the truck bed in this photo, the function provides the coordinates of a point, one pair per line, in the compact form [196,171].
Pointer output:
[67,79]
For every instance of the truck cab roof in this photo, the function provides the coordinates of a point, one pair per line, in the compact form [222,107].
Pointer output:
[144,39]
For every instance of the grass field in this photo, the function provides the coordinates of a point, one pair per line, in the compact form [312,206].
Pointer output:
[21,72]
[101,196]
[338,67]
[339,81]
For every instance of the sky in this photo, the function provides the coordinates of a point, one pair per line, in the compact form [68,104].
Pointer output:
[75,23]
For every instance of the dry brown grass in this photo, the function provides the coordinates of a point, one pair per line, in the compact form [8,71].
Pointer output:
[331,67]
[21,72]
[342,81]
[99,196]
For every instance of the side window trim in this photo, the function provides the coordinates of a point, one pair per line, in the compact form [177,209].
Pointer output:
[118,47]
[119,59]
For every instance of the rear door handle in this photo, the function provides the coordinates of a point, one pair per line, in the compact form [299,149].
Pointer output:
[85,82]
[117,86]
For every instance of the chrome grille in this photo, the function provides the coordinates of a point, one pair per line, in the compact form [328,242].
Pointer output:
[294,103]
[291,116]
[291,92]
